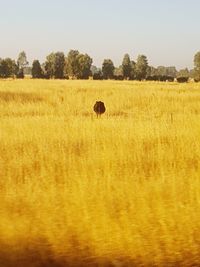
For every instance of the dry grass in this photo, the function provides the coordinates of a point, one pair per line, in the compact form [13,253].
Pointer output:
[123,190]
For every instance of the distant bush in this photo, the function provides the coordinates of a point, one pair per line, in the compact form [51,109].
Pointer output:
[37,72]
[20,74]
[182,79]
[118,77]
[160,78]
[97,76]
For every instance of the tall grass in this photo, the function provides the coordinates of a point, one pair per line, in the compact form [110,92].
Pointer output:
[122,190]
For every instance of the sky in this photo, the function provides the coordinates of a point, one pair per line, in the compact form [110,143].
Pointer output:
[166,31]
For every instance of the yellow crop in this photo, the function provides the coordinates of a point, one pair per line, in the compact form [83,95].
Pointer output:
[119,190]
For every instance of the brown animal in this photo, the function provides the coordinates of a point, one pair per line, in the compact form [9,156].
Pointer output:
[99,108]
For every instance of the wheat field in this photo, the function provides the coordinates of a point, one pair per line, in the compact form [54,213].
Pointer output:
[120,190]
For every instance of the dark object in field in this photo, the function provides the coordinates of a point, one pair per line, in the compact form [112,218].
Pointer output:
[182,79]
[99,108]
[161,78]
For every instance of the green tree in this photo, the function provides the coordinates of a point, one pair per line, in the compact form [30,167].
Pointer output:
[37,72]
[84,65]
[96,73]
[141,67]
[192,73]
[3,68]
[133,70]
[171,71]
[22,64]
[11,67]
[59,65]
[152,71]
[118,73]
[183,73]
[22,60]
[93,69]
[197,66]
[126,66]
[78,65]
[49,65]
[161,71]
[8,68]
[20,74]
[166,71]
[108,69]
[54,65]
[72,65]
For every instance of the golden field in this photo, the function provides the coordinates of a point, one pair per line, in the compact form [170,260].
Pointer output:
[120,190]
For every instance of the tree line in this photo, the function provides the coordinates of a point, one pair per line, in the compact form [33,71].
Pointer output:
[79,66]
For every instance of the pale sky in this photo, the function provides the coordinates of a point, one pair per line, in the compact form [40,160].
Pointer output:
[166,31]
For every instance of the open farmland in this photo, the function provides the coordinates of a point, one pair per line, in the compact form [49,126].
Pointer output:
[120,190]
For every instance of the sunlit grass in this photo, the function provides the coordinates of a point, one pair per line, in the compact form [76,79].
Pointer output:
[122,189]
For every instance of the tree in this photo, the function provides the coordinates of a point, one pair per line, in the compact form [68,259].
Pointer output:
[183,76]
[22,60]
[182,79]
[171,71]
[49,65]
[37,72]
[108,69]
[166,72]
[98,75]
[161,71]
[59,65]
[78,65]
[183,73]
[72,66]
[197,66]
[27,70]
[3,68]
[84,65]
[22,64]
[133,70]
[141,67]
[126,66]
[118,73]
[152,72]
[54,65]
[192,74]
[93,69]
[8,68]
[20,74]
